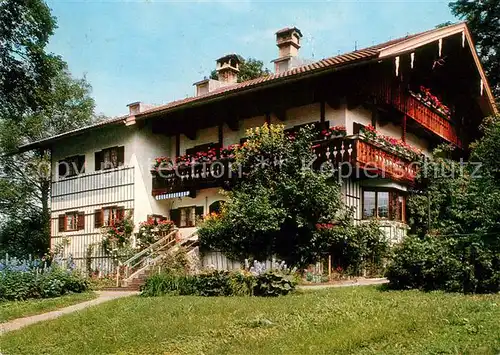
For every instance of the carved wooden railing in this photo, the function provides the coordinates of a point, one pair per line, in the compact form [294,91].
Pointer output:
[196,176]
[371,156]
[364,158]
[415,109]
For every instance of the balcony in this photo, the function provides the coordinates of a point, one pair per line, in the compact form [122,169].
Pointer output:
[198,176]
[425,115]
[365,159]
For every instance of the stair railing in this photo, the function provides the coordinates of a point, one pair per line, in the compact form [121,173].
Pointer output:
[145,256]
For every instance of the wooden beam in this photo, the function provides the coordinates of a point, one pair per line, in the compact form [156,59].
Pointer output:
[190,133]
[334,102]
[268,118]
[177,144]
[221,135]
[280,114]
[322,111]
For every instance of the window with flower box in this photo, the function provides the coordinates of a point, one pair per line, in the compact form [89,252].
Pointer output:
[71,221]
[389,204]
[108,215]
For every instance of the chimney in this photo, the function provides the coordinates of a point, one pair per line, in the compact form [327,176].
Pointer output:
[135,108]
[288,42]
[227,68]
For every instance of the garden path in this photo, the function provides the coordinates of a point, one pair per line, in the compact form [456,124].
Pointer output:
[104,296]
[346,283]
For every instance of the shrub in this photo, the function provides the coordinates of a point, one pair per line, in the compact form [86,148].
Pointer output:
[354,248]
[272,284]
[217,283]
[21,280]
[166,283]
[463,264]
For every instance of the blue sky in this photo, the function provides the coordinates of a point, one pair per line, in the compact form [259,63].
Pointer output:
[154,51]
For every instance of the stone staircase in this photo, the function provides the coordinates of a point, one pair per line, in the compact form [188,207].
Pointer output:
[139,267]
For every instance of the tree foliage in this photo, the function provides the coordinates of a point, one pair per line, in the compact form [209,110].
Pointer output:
[483,19]
[25,178]
[456,222]
[281,208]
[249,69]
[26,68]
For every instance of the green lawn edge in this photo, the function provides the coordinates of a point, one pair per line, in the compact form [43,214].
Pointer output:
[351,320]
[10,310]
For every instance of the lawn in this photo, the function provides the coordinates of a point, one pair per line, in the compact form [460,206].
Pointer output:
[17,309]
[356,320]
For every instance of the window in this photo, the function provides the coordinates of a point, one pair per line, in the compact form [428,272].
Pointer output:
[71,166]
[71,221]
[384,204]
[155,218]
[108,216]
[216,206]
[369,204]
[186,216]
[109,158]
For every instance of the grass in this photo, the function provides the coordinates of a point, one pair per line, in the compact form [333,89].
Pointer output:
[17,309]
[356,320]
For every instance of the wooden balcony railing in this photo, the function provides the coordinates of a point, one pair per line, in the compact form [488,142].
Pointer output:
[426,116]
[365,159]
[194,177]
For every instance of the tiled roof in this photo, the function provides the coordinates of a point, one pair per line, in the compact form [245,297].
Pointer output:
[324,64]
[332,63]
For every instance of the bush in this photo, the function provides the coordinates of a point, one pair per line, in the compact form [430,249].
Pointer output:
[22,280]
[272,284]
[217,283]
[456,264]
[355,248]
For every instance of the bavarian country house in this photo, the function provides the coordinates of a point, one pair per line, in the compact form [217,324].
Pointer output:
[378,109]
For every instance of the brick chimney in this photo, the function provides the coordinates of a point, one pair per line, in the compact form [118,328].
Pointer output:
[227,68]
[288,42]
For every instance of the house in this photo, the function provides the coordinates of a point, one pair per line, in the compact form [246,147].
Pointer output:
[417,91]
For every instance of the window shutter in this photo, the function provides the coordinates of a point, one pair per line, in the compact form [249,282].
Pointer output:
[98,160]
[81,220]
[81,164]
[120,213]
[98,218]
[199,211]
[61,222]
[175,216]
[120,152]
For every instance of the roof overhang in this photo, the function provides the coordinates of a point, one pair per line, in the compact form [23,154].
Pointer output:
[432,36]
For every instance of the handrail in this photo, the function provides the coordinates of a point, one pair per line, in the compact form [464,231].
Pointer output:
[151,247]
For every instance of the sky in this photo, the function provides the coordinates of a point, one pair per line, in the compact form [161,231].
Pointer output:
[154,51]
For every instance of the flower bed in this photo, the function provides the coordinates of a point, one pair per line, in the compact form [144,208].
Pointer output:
[335,131]
[393,144]
[25,279]
[426,97]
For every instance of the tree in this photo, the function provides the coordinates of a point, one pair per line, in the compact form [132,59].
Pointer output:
[456,221]
[281,207]
[25,178]
[483,18]
[26,69]
[249,69]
